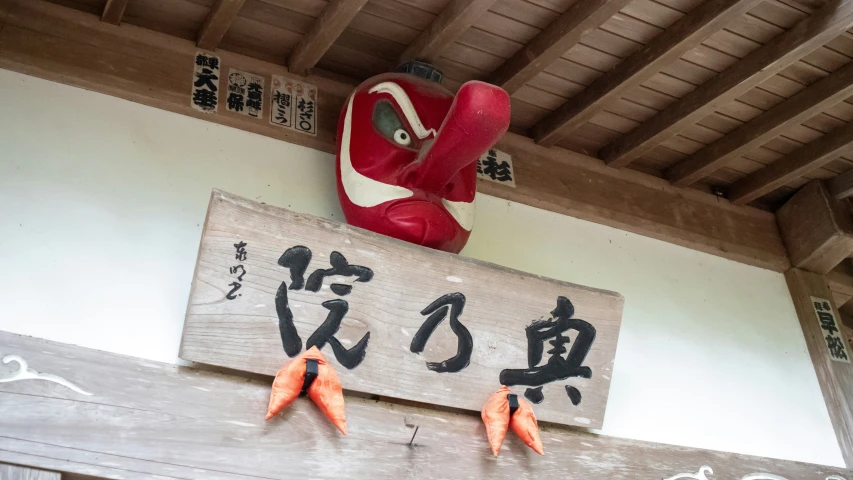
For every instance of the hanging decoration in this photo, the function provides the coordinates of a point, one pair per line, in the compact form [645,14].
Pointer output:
[504,410]
[309,373]
[407,154]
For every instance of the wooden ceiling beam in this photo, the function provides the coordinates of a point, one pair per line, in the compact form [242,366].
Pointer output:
[762,63]
[222,13]
[558,38]
[334,19]
[448,26]
[804,105]
[113,11]
[809,157]
[842,185]
[666,48]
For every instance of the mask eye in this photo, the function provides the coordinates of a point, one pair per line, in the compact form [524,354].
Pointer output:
[402,137]
[388,123]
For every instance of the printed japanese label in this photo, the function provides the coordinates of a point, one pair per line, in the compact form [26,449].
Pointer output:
[832,335]
[245,93]
[205,83]
[294,105]
[496,166]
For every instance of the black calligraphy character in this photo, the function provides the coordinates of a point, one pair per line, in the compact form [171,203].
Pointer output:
[307,109]
[296,259]
[557,367]
[235,286]
[205,79]
[241,251]
[496,171]
[836,347]
[437,312]
[818,306]
[826,306]
[238,268]
[255,95]
[201,60]
[235,102]
[827,322]
[204,99]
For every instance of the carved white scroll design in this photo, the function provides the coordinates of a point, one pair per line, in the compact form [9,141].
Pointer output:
[24,372]
[700,475]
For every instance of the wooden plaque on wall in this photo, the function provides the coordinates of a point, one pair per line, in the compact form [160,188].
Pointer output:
[395,319]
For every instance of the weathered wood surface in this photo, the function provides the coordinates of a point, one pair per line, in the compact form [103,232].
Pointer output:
[72,47]
[666,48]
[220,17]
[835,378]
[841,186]
[113,11]
[334,19]
[817,228]
[244,333]
[14,472]
[555,40]
[148,419]
[448,26]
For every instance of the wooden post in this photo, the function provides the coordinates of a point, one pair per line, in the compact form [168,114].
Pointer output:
[834,375]
[817,229]
[12,472]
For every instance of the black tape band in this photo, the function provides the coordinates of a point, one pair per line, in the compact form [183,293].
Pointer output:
[311,372]
[513,403]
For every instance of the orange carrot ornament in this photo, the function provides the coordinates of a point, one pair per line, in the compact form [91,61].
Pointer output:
[502,411]
[309,373]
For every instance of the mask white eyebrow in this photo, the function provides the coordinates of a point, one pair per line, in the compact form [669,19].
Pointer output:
[405,104]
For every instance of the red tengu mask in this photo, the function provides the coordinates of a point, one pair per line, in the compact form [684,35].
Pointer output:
[407,156]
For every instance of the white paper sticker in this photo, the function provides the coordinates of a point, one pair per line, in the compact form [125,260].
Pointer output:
[496,166]
[245,93]
[831,333]
[205,91]
[294,105]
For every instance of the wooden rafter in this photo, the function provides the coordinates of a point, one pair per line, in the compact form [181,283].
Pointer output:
[801,161]
[113,11]
[761,64]
[802,106]
[222,13]
[326,29]
[450,24]
[842,185]
[557,38]
[664,49]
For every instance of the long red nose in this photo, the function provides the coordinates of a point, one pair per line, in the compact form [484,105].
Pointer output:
[477,119]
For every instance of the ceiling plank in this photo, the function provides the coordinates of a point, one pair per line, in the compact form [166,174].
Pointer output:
[451,23]
[217,22]
[798,163]
[326,29]
[113,11]
[804,105]
[666,48]
[766,61]
[558,38]
[842,185]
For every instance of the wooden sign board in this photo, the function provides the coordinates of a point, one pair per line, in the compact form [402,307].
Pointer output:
[146,420]
[395,319]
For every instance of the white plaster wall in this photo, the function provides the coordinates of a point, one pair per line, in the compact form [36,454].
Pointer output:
[102,205]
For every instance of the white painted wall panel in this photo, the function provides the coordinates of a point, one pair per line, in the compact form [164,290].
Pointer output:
[102,206]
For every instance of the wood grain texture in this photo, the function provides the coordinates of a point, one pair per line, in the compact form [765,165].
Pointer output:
[761,64]
[798,163]
[817,229]
[326,29]
[13,472]
[561,35]
[68,46]
[153,420]
[113,11]
[450,24]
[842,185]
[802,106]
[499,303]
[222,14]
[663,50]
[835,378]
